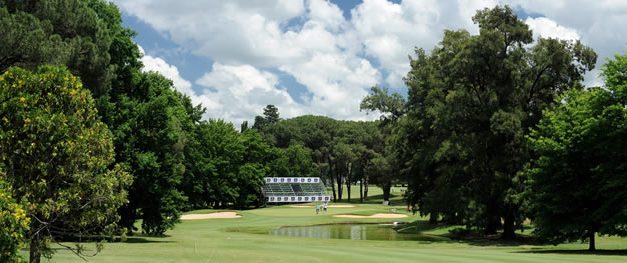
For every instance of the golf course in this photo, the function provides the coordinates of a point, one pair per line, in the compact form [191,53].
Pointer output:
[313,131]
[247,239]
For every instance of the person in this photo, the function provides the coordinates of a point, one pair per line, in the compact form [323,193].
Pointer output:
[324,207]
[317,209]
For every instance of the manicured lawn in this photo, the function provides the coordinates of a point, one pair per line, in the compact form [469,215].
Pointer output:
[245,240]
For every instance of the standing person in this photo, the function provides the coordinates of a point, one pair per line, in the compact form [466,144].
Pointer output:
[324,207]
[317,209]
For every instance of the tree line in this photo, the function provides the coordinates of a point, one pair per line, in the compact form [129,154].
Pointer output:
[90,144]
[496,128]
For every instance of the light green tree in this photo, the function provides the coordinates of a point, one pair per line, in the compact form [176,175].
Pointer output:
[58,158]
[578,183]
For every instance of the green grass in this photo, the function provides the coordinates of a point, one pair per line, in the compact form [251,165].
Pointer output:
[245,240]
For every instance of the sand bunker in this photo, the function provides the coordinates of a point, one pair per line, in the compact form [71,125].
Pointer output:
[380,215]
[329,206]
[210,216]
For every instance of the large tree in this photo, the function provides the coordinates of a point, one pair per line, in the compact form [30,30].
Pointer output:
[140,108]
[58,157]
[471,102]
[577,185]
[152,142]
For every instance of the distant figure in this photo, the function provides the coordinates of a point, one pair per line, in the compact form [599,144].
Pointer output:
[324,207]
[317,209]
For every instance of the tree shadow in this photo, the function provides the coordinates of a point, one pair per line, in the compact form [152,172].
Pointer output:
[599,252]
[139,234]
[419,226]
[473,238]
[142,240]
[375,199]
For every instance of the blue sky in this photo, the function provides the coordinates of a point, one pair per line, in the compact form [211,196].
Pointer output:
[320,57]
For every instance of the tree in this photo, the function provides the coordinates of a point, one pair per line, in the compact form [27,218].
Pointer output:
[270,117]
[471,102]
[577,185]
[153,144]
[14,224]
[75,33]
[58,157]
[392,108]
[88,37]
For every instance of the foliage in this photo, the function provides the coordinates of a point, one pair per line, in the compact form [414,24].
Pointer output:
[577,184]
[58,157]
[13,225]
[78,34]
[471,102]
[340,152]
[228,167]
[270,117]
[152,141]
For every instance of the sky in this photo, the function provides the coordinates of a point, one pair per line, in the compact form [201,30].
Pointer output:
[321,57]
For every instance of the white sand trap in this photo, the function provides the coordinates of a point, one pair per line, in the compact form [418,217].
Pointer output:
[329,206]
[380,215]
[210,216]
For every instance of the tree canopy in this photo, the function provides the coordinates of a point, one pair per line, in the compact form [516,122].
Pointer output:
[58,157]
[577,185]
[471,102]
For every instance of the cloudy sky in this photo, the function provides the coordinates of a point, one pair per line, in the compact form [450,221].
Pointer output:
[321,57]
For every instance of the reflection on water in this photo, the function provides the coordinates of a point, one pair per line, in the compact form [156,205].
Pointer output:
[346,231]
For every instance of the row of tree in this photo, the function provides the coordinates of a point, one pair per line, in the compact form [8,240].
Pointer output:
[497,128]
[341,152]
[92,143]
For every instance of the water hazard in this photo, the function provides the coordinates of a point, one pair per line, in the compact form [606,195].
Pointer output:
[349,231]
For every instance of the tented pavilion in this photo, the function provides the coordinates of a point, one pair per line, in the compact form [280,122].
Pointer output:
[294,190]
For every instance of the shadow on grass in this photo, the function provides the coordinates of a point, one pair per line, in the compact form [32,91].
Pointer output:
[600,252]
[142,240]
[138,234]
[395,199]
[460,235]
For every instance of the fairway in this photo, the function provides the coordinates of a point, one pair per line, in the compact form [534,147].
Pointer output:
[245,239]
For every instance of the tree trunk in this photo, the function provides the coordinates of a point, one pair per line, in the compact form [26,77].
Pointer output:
[361,190]
[330,174]
[592,244]
[433,218]
[366,188]
[493,220]
[348,181]
[35,243]
[338,178]
[508,224]
[386,191]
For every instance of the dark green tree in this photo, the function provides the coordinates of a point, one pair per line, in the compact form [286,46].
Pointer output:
[471,102]
[269,118]
[154,147]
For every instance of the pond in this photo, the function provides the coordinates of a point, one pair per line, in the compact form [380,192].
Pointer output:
[349,231]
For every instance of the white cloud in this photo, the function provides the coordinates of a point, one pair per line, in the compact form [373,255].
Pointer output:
[169,71]
[234,93]
[547,28]
[336,58]
[238,93]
